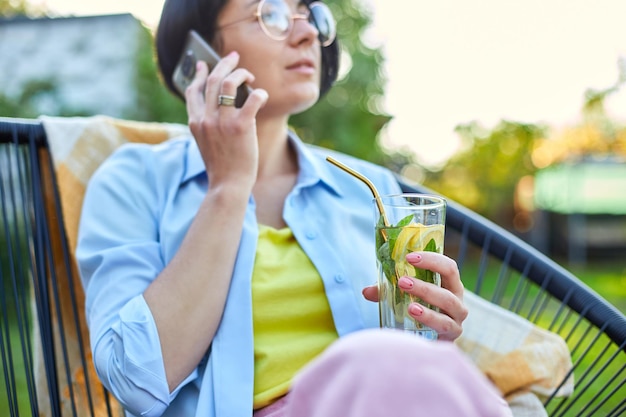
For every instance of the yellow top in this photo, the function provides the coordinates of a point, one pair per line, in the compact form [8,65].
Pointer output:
[292,318]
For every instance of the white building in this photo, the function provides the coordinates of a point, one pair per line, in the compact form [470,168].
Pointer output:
[88,61]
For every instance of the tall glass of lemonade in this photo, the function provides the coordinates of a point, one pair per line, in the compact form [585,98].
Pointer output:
[411,223]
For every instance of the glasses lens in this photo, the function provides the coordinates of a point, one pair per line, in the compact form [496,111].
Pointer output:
[275,17]
[323,20]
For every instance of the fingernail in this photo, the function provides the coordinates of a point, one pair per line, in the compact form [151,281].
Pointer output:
[405,283]
[413,257]
[416,309]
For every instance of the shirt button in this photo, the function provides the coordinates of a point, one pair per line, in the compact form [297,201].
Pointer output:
[311,235]
[339,278]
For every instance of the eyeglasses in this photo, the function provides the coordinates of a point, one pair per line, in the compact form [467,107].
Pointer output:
[276,19]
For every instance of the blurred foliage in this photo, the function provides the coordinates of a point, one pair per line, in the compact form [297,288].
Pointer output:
[483,175]
[597,136]
[34,96]
[13,8]
[591,139]
[495,166]
[24,104]
[154,101]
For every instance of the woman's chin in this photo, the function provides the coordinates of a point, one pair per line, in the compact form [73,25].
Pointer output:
[306,99]
[305,105]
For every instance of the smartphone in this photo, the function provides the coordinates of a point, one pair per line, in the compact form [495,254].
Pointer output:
[196,49]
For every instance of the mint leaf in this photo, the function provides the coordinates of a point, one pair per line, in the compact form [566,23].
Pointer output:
[384,249]
[388,264]
[424,274]
[394,231]
[431,246]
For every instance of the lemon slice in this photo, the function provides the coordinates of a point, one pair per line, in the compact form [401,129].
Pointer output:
[414,237]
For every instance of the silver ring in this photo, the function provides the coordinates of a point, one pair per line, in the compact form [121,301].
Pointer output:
[223,100]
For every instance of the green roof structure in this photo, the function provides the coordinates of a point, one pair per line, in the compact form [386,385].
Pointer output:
[587,187]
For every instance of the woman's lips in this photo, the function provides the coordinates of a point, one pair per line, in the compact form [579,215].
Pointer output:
[304,66]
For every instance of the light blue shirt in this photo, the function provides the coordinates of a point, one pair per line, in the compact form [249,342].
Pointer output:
[138,207]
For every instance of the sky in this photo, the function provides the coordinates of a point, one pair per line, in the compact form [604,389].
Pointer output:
[450,62]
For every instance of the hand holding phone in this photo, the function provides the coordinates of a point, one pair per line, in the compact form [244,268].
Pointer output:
[196,49]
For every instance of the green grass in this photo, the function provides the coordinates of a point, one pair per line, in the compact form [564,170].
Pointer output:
[606,278]
[13,346]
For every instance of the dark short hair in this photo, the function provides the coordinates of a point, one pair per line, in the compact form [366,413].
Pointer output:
[178,17]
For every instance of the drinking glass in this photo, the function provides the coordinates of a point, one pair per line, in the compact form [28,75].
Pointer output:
[411,222]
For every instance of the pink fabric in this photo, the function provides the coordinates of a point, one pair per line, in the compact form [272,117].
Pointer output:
[377,372]
[276,409]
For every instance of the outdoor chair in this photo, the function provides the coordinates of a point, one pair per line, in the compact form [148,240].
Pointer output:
[46,361]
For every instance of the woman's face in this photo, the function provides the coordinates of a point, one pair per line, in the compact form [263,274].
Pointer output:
[289,70]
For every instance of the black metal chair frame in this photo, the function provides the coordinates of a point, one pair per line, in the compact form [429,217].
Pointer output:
[507,271]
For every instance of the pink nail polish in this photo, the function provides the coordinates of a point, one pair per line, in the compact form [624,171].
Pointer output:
[405,283]
[416,309]
[413,257]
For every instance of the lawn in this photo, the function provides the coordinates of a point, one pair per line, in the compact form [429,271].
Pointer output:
[14,398]
[606,278]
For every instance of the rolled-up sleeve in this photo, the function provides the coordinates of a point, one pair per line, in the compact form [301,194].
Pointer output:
[128,355]
[119,255]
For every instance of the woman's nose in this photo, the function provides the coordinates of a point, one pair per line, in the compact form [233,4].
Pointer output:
[303,28]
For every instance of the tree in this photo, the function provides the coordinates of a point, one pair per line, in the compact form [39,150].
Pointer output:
[154,101]
[12,8]
[484,175]
[596,136]
[22,105]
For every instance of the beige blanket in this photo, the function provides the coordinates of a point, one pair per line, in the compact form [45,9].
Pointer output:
[78,145]
[523,360]
[526,362]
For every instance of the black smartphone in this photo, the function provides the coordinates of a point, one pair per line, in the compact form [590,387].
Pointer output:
[196,49]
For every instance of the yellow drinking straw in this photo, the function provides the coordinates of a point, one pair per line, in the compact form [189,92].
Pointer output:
[369,184]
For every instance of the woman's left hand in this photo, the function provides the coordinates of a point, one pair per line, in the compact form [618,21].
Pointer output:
[448,322]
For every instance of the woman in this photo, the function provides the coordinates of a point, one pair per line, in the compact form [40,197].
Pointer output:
[225,262]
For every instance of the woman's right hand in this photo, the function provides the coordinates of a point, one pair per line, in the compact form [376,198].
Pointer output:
[226,135]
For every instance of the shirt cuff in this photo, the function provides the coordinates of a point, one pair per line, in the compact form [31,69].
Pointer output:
[130,356]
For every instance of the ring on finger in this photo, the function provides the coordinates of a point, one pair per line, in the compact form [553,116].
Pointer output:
[225,100]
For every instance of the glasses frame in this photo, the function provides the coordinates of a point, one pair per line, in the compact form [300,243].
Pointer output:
[292,18]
